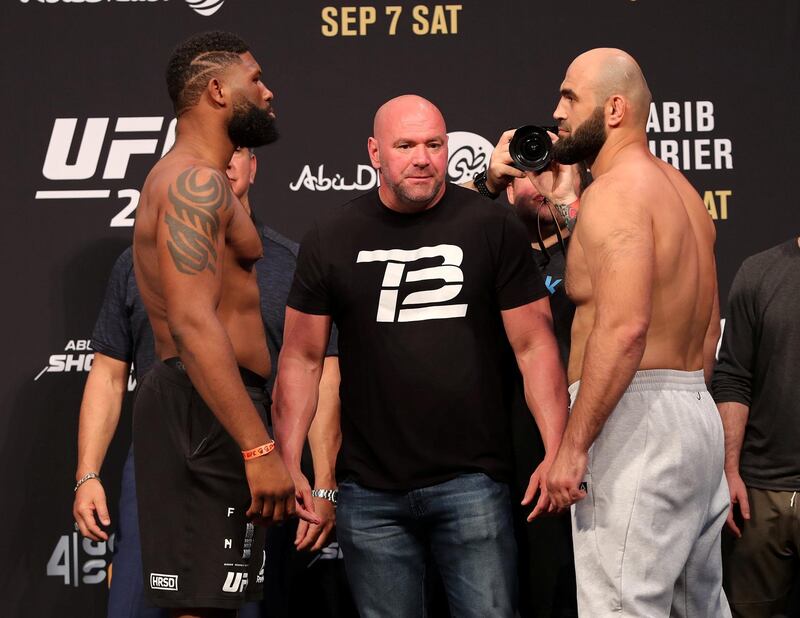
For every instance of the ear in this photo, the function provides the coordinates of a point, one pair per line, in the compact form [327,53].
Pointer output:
[510,192]
[616,108]
[215,91]
[374,154]
[253,167]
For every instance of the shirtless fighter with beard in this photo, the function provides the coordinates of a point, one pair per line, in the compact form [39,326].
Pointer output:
[642,455]
[204,468]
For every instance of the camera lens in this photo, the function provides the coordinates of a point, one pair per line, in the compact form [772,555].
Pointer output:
[530,148]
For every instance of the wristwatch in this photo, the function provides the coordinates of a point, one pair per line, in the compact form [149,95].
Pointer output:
[326,494]
[480,184]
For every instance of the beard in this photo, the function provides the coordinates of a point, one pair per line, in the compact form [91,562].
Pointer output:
[584,143]
[418,195]
[251,126]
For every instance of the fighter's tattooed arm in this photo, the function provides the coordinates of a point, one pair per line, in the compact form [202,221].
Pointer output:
[193,219]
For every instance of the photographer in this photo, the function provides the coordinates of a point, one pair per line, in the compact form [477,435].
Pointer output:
[540,199]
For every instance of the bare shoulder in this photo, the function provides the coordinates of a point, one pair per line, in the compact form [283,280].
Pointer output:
[180,185]
[695,208]
[189,205]
[617,198]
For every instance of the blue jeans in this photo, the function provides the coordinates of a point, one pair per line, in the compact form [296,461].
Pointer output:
[464,525]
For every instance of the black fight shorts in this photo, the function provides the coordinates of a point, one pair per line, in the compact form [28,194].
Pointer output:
[198,548]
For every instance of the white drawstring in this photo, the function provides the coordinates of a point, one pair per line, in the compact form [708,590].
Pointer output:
[791,502]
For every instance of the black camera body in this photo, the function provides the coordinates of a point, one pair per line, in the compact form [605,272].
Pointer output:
[531,148]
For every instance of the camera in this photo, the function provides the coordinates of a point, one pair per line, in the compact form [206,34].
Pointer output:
[531,147]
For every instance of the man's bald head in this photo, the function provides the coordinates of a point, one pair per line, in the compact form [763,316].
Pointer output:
[608,72]
[407,108]
[409,150]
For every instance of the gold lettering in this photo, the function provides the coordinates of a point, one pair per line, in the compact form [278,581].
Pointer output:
[331,26]
[394,11]
[453,9]
[723,196]
[348,20]
[708,200]
[367,16]
[439,22]
[421,25]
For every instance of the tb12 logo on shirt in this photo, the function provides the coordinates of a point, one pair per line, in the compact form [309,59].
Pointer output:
[426,304]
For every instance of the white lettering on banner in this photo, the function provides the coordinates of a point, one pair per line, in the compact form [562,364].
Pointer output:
[366,178]
[704,153]
[205,8]
[331,552]
[719,341]
[68,560]
[77,357]
[468,154]
[393,276]
[84,165]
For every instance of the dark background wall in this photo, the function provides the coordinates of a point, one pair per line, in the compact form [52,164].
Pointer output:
[724,77]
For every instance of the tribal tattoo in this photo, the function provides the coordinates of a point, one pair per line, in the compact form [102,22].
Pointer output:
[193,232]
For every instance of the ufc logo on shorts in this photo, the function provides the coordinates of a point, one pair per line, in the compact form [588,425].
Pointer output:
[235,582]
[397,272]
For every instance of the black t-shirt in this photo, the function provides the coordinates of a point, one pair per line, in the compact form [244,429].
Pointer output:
[424,358]
[759,365]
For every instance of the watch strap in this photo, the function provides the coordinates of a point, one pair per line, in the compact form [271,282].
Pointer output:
[480,184]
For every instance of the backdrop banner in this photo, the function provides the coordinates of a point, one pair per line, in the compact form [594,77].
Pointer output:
[87,115]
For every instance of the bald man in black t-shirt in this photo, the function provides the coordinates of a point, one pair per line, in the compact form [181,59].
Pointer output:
[435,294]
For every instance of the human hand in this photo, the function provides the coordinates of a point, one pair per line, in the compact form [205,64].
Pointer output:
[538,482]
[271,490]
[566,475]
[90,500]
[304,502]
[313,537]
[501,172]
[738,492]
[557,181]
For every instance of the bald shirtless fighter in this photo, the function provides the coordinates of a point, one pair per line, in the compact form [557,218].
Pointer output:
[204,470]
[642,454]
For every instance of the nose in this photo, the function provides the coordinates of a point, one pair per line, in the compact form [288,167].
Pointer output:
[267,93]
[559,113]
[420,156]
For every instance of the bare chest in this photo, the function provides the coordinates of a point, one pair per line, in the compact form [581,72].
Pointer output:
[578,284]
[243,246]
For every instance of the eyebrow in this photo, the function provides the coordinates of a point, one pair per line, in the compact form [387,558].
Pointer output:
[568,92]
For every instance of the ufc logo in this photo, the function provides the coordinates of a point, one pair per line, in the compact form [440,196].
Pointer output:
[397,272]
[235,582]
[91,146]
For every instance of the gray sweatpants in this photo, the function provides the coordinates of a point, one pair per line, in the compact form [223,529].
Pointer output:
[647,535]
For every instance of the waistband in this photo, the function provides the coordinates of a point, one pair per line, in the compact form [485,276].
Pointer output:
[173,370]
[659,380]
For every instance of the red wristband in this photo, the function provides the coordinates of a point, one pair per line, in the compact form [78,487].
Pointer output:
[259,451]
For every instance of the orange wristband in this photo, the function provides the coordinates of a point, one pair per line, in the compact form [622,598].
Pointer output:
[259,451]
